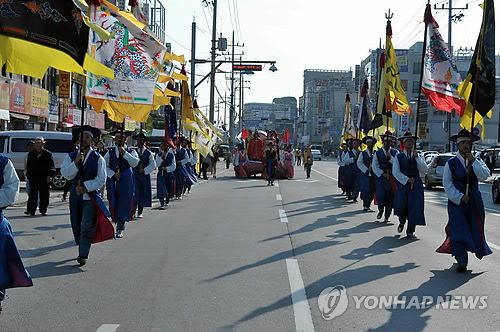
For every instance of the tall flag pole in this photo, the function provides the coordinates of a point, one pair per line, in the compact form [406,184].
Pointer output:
[428,20]
[364,117]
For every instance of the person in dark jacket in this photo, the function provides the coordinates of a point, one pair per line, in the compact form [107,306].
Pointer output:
[40,171]
[74,147]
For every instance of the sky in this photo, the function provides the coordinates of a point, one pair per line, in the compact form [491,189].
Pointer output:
[300,35]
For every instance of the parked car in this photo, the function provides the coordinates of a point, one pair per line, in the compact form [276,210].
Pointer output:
[434,174]
[495,190]
[14,144]
[316,154]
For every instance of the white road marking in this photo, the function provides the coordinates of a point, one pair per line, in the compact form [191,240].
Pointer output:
[278,197]
[283,217]
[301,310]
[307,180]
[328,176]
[277,185]
[245,181]
[494,246]
[108,328]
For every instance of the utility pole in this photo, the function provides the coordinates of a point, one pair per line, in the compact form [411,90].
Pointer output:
[240,122]
[231,105]
[450,18]
[225,104]
[212,73]
[193,57]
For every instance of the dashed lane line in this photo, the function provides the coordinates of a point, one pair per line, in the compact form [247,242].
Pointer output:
[108,328]
[301,310]
[328,176]
[283,216]
[278,197]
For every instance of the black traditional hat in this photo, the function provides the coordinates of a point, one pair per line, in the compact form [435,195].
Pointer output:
[94,132]
[408,135]
[118,132]
[464,133]
[140,134]
[369,138]
[388,135]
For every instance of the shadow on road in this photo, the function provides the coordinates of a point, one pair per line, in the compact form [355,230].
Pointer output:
[53,227]
[382,246]
[437,287]
[349,278]
[319,204]
[37,252]
[310,247]
[50,269]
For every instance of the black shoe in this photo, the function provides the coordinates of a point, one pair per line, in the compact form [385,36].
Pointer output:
[411,236]
[44,214]
[387,220]
[400,227]
[28,213]
[82,261]
[379,215]
[461,268]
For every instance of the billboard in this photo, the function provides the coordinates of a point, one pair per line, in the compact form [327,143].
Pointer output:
[39,102]
[4,96]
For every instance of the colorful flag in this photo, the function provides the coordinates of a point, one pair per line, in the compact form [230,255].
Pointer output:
[134,55]
[365,116]
[382,121]
[441,77]
[392,80]
[349,130]
[482,71]
[36,35]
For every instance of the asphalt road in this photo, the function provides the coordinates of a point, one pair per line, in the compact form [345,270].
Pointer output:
[239,255]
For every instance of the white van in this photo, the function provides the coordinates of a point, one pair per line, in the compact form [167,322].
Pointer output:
[14,144]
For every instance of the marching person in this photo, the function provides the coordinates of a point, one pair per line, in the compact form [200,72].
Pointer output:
[366,176]
[385,184]
[74,147]
[142,175]
[190,166]
[308,161]
[270,162]
[288,161]
[341,182]
[12,271]
[465,229]
[40,171]
[240,162]
[213,161]
[183,175]
[409,201]
[351,170]
[86,171]
[205,163]
[165,180]
[120,182]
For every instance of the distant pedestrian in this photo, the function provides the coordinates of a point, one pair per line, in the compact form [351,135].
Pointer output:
[288,162]
[12,271]
[142,176]
[205,163]
[40,172]
[165,181]
[409,201]
[30,147]
[298,157]
[85,169]
[308,161]
[214,160]
[466,216]
[490,161]
[270,163]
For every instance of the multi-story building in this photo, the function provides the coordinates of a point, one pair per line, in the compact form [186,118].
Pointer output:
[278,115]
[323,109]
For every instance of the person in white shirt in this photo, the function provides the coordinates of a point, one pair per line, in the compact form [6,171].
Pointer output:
[409,201]
[465,229]
[366,177]
[142,175]
[86,170]
[12,271]
[341,183]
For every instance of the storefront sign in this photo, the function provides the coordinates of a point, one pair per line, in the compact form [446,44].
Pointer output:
[39,102]
[4,96]
[64,84]
[18,98]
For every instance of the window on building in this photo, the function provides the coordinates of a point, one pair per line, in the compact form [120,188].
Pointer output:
[416,86]
[416,67]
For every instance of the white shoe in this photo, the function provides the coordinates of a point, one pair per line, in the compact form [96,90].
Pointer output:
[140,216]
[119,234]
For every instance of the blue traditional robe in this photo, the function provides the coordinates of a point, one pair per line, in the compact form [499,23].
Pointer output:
[104,229]
[409,203]
[366,179]
[350,172]
[165,180]
[12,271]
[120,193]
[143,189]
[384,187]
[465,229]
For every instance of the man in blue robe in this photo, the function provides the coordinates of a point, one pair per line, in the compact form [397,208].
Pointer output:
[12,271]
[142,175]
[384,181]
[409,201]
[465,229]
[366,176]
[165,181]
[120,183]
[86,170]
[341,163]
[351,169]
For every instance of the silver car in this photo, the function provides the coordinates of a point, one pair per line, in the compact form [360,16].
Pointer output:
[435,167]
